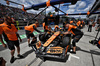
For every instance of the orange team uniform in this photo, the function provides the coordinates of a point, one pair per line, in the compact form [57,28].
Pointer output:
[30,28]
[74,30]
[9,31]
[1,30]
[77,34]
[45,27]
[78,23]
[71,22]
[56,26]
[82,22]
[70,29]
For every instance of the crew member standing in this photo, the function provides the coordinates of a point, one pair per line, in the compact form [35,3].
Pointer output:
[77,35]
[90,25]
[10,36]
[45,24]
[45,27]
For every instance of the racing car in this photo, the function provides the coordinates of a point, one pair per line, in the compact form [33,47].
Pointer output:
[53,45]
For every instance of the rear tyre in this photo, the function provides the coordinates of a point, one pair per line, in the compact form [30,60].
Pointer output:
[65,42]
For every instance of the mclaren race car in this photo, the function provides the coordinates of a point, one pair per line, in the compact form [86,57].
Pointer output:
[52,45]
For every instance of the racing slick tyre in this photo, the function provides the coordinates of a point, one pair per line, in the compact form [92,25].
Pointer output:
[65,42]
[42,37]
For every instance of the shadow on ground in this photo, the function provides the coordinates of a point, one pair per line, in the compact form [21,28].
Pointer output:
[91,51]
[25,54]
[90,35]
[2,48]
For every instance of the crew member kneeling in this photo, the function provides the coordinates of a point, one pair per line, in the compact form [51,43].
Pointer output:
[77,35]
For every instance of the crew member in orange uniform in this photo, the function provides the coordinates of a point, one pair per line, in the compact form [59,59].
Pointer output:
[79,24]
[9,32]
[29,32]
[77,35]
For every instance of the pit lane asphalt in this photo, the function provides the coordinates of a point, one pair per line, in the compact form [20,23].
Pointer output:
[87,54]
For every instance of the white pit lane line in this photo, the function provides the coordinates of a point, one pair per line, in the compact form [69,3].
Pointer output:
[71,55]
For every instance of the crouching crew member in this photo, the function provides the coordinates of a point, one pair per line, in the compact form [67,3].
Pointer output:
[29,32]
[77,35]
[10,35]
